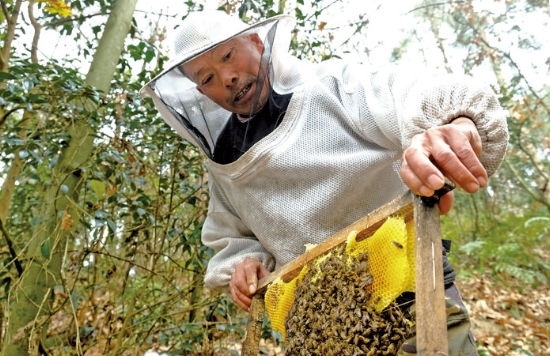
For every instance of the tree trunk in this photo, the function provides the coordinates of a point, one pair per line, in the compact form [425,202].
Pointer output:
[31,296]
[8,187]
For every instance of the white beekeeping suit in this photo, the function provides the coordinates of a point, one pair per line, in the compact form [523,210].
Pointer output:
[333,154]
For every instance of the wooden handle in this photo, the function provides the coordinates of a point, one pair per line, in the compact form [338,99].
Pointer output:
[431,315]
[251,345]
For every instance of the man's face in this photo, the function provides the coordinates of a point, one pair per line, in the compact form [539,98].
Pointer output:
[228,74]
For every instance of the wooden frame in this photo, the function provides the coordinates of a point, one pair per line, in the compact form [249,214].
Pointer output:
[430,301]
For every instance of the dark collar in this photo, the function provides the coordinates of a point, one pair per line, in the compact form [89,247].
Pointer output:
[237,137]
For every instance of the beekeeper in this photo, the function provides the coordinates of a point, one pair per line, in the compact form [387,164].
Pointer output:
[298,151]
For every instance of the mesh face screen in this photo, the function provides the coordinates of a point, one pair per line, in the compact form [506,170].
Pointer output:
[198,114]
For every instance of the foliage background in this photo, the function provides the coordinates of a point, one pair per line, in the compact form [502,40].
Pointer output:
[127,239]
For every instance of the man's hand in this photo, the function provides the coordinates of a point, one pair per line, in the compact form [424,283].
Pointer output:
[244,281]
[446,203]
[444,151]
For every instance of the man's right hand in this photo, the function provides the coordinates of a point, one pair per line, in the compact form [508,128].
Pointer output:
[450,151]
[244,282]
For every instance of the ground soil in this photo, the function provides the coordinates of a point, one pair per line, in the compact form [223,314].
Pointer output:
[508,318]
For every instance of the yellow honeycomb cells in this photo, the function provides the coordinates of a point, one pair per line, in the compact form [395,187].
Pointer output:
[390,259]
[391,262]
[278,299]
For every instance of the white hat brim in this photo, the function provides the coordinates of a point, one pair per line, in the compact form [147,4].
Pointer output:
[185,57]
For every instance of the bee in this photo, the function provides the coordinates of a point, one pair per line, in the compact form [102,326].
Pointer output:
[335,314]
[342,299]
[362,296]
[366,318]
[396,337]
[361,339]
[388,329]
[347,323]
[364,282]
[362,266]
[390,351]
[400,332]
[397,244]
[393,318]
[358,328]
[375,341]
[376,325]
[344,290]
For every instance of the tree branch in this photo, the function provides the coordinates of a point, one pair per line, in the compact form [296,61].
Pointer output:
[538,196]
[532,157]
[37,28]
[5,117]
[10,34]
[5,10]
[432,5]
[13,253]
[71,19]
[508,56]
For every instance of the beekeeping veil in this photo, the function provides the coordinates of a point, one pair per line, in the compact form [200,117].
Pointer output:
[191,114]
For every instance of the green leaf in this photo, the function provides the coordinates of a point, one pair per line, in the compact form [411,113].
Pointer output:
[149,55]
[15,142]
[472,247]
[112,225]
[45,249]
[28,84]
[100,214]
[483,352]
[98,187]
[6,76]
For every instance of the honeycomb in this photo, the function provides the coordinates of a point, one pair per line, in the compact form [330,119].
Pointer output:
[391,259]
[344,300]
[279,298]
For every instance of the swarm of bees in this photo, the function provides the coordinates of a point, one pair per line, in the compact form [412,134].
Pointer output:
[332,313]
